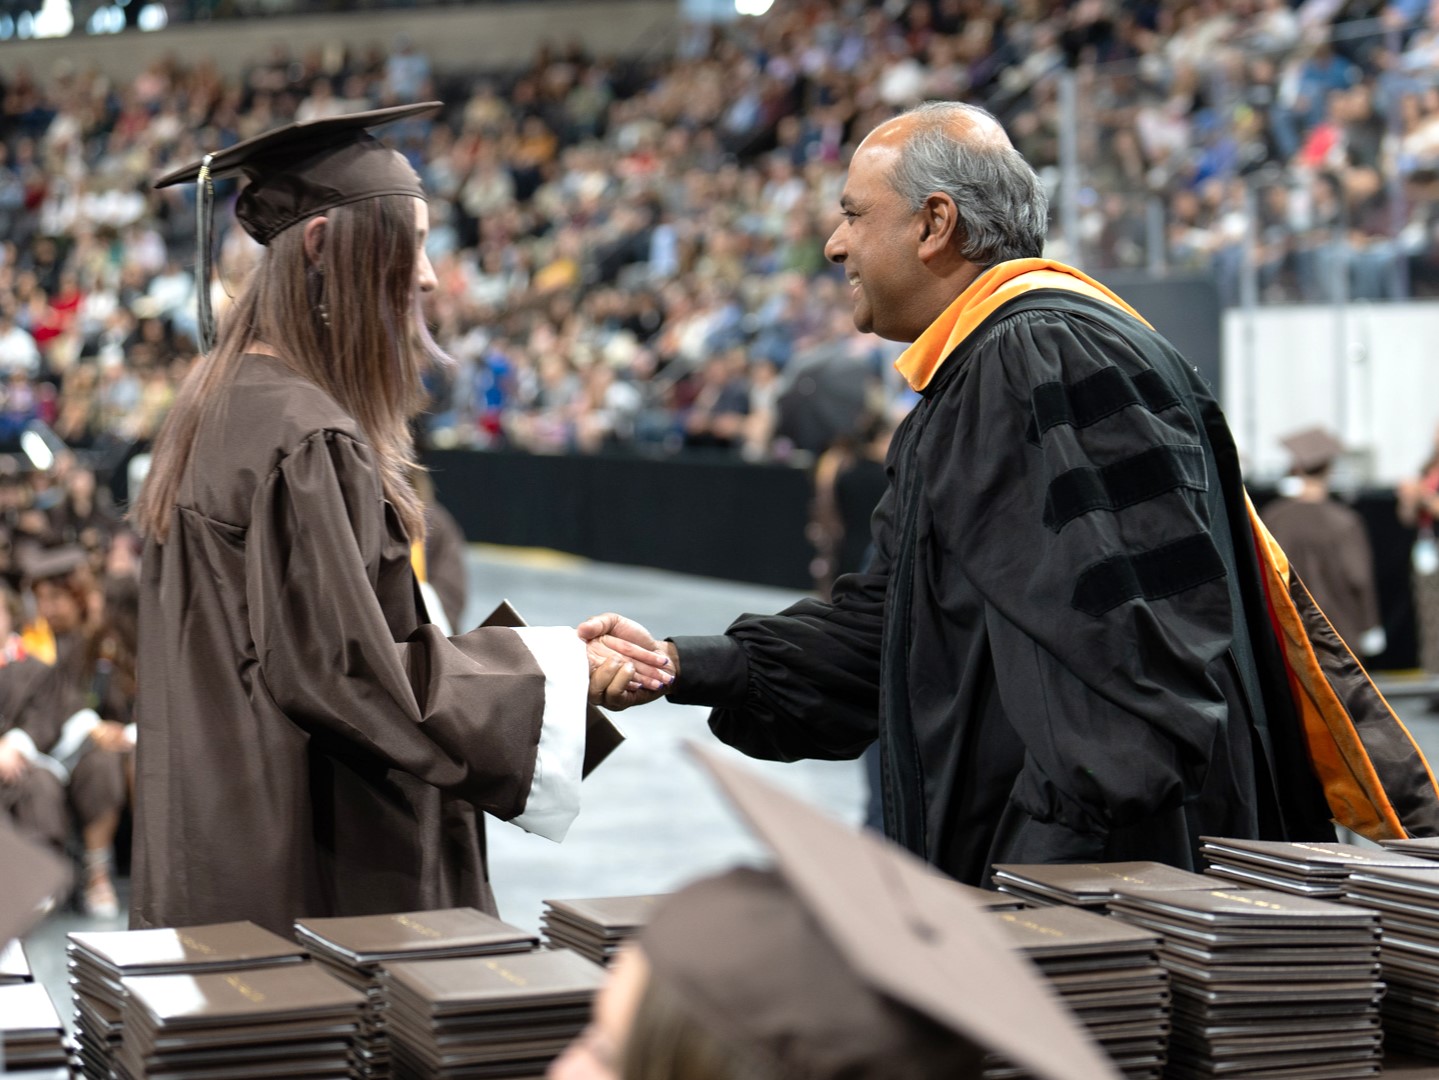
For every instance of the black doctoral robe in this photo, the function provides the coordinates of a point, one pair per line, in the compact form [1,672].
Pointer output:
[307,745]
[1062,644]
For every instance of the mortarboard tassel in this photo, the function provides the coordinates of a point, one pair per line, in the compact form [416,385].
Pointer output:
[204,221]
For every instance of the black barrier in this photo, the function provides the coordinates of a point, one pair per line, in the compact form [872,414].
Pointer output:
[695,515]
[1186,310]
[1392,544]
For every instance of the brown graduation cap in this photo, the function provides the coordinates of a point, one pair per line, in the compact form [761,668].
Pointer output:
[298,171]
[1313,449]
[855,959]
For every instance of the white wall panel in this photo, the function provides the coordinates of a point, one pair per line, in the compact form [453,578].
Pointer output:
[1283,369]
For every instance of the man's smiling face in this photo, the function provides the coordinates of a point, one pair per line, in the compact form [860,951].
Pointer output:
[876,242]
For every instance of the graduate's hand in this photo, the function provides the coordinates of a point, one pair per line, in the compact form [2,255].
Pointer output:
[111,736]
[613,685]
[612,637]
[12,763]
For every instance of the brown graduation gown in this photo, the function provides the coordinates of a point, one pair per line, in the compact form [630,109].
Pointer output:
[1329,547]
[36,801]
[307,745]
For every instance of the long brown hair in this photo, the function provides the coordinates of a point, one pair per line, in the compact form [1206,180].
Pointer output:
[349,322]
[667,1042]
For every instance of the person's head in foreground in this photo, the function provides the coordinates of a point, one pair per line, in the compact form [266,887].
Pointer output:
[934,197]
[335,295]
[734,980]
[850,960]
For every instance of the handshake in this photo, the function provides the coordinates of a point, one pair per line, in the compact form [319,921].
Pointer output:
[627,665]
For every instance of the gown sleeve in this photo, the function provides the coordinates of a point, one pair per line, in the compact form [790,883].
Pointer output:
[803,683]
[1070,487]
[484,716]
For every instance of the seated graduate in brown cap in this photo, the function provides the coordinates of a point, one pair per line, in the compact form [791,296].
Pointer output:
[850,960]
[310,744]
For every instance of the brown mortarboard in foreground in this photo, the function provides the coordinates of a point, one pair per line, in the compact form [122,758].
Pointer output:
[32,877]
[1312,449]
[854,958]
[304,169]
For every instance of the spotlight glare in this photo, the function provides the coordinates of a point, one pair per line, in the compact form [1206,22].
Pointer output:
[153,17]
[55,19]
[40,455]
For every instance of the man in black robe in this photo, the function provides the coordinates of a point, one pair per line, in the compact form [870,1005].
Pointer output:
[1062,644]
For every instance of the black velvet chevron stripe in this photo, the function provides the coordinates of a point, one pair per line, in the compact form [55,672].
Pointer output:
[1163,571]
[1092,399]
[1126,482]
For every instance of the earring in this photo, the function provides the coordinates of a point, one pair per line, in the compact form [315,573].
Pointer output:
[315,279]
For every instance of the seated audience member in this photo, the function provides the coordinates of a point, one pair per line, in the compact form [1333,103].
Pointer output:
[62,595]
[849,959]
[721,405]
[69,719]
[32,787]
[84,514]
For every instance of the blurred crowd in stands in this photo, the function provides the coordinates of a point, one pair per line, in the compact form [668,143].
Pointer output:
[631,253]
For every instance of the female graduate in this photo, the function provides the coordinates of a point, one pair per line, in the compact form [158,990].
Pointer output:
[309,744]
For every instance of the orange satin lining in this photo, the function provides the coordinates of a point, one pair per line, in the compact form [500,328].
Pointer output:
[985,295]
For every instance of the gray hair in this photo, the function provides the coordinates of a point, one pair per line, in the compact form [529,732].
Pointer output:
[1003,209]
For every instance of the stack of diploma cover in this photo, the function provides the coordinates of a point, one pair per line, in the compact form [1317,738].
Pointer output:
[1305,869]
[1088,885]
[1422,847]
[31,1035]
[490,1017]
[1108,973]
[99,962]
[14,965]
[1408,905]
[354,948]
[1265,983]
[289,1021]
[595,928]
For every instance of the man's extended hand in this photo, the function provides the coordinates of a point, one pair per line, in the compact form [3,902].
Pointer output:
[614,642]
